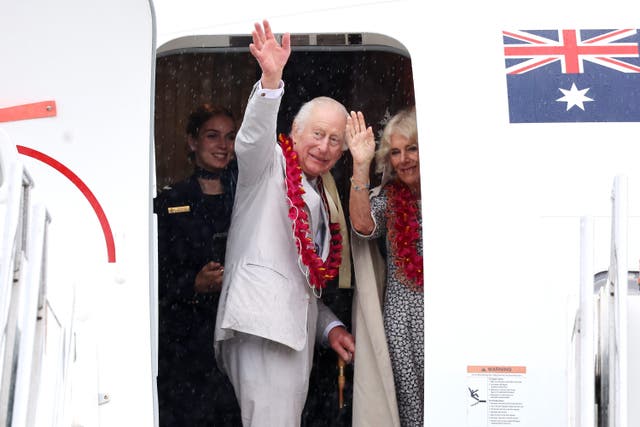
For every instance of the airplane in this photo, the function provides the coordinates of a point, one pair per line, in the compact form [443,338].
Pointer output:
[529,221]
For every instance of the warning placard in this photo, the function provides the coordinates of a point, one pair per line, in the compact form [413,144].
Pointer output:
[495,395]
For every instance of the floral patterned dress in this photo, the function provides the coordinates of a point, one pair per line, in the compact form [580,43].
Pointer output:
[403,314]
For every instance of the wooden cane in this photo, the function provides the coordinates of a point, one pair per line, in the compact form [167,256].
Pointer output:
[341,380]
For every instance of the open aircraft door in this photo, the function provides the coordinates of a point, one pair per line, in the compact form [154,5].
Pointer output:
[76,107]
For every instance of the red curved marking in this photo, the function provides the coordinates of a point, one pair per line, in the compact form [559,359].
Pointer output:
[104,222]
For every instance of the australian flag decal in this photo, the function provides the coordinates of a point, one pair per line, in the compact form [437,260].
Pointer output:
[572,75]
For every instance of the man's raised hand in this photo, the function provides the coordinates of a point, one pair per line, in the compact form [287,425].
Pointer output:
[271,55]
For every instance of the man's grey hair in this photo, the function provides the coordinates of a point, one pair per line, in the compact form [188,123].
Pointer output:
[300,120]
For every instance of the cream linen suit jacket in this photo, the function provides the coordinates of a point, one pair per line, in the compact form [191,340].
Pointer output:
[265,291]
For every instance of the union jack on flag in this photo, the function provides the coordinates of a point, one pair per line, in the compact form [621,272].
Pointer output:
[573,75]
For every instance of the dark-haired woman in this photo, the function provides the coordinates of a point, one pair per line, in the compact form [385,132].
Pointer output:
[193,220]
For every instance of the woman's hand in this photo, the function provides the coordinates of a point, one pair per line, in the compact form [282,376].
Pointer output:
[362,146]
[360,140]
[209,278]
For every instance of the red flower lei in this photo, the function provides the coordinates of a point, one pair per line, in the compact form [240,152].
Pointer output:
[404,232]
[319,272]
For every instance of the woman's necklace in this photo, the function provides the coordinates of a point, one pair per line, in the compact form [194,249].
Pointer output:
[404,233]
[206,174]
[319,272]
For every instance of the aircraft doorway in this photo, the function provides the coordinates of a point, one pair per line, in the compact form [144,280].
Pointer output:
[367,72]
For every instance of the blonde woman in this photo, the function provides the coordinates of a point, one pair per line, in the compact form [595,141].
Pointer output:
[392,211]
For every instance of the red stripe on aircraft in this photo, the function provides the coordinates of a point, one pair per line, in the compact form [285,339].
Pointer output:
[35,110]
[93,201]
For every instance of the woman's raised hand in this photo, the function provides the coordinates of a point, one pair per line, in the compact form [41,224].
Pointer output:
[360,140]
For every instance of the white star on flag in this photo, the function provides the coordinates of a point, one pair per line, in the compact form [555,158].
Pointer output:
[574,97]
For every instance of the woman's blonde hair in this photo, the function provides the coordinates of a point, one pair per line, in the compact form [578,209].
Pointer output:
[403,123]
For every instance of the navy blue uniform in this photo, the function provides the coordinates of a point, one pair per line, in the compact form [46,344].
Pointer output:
[192,231]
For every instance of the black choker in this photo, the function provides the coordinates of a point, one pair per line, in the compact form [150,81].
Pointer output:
[205,174]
